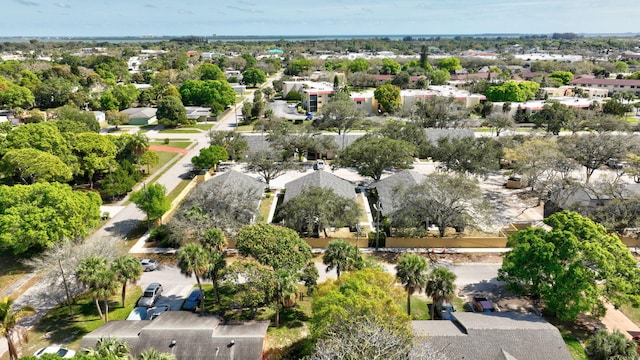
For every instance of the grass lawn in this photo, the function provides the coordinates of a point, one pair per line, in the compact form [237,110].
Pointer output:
[202,126]
[419,309]
[179,131]
[631,312]
[265,207]
[173,143]
[164,158]
[178,189]
[11,269]
[363,212]
[57,327]
[574,346]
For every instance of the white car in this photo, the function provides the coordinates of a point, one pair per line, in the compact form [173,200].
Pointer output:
[57,350]
[148,264]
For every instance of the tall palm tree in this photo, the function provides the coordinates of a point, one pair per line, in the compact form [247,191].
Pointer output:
[193,259]
[127,268]
[217,263]
[441,287]
[411,270]
[340,255]
[9,327]
[154,354]
[286,285]
[604,345]
[105,284]
[87,273]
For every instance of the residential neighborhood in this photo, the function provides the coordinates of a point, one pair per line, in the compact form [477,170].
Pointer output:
[410,198]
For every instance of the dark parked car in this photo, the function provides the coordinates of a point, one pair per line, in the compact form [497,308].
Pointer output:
[193,301]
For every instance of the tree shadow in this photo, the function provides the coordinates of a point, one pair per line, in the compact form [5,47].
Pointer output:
[122,228]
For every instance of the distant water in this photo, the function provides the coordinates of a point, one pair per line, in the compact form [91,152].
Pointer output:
[233,38]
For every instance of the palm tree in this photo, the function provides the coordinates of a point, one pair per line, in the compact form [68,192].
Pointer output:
[286,285]
[441,287]
[217,263]
[127,268]
[411,270]
[95,273]
[340,255]
[154,354]
[604,345]
[87,273]
[214,240]
[139,144]
[110,348]
[9,327]
[193,259]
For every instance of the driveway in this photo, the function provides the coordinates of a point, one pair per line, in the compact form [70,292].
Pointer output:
[176,286]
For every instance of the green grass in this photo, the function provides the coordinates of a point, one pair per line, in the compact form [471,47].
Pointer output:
[202,126]
[164,158]
[631,312]
[179,131]
[265,207]
[178,189]
[173,144]
[575,347]
[419,308]
[58,327]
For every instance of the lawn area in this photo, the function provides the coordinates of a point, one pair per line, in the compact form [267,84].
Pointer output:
[11,269]
[173,143]
[632,313]
[419,309]
[202,126]
[57,327]
[164,157]
[178,189]
[574,346]
[179,131]
[265,207]
[363,212]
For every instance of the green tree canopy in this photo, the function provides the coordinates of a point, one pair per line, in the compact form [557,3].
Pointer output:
[171,112]
[31,165]
[15,96]
[470,155]
[95,154]
[450,64]
[388,97]
[152,199]
[35,217]
[564,77]
[253,76]
[359,65]
[210,157]
[573,268]
[369,294]
[211,72]
[273,246]
[371,155]
[317,208]
[513,91]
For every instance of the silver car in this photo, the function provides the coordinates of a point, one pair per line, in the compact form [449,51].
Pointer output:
[150,295]
[148,264]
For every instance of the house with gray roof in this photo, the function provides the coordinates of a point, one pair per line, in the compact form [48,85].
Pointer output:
[583,198]
[492,336]
[387,186]
[323,179]
[141,115]
[187,335]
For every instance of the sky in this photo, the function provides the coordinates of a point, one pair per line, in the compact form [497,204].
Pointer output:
[320,17]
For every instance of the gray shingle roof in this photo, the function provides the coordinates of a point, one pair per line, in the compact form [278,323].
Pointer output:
[323,179]
[493,336]
[234,180]
[387,186]
[196,336]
